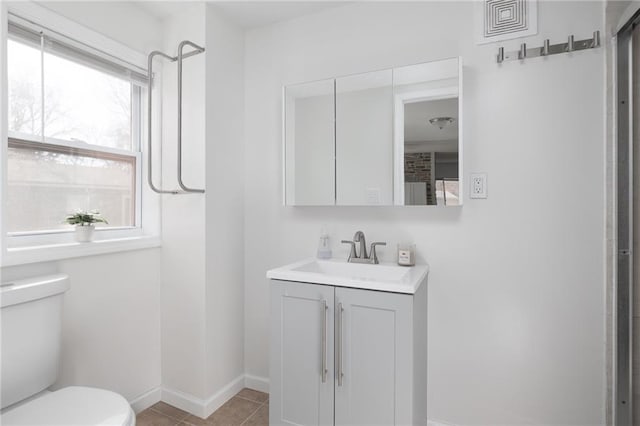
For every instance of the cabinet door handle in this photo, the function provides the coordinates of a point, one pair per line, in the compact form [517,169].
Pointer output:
[324,340]
[340,311]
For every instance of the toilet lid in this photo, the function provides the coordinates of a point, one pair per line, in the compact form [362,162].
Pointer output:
[72,406]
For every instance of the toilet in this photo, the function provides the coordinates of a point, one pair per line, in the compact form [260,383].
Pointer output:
[31,321]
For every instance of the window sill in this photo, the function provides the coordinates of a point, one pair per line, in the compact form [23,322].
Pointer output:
[44,253]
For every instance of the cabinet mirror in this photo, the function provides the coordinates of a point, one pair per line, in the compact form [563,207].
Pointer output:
[364,130]
[389,137]
[427,155]
[309,130]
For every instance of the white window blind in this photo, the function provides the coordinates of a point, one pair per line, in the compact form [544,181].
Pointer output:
[58,44]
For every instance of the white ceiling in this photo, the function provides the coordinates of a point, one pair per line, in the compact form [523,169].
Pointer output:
[416,121]
[246,14]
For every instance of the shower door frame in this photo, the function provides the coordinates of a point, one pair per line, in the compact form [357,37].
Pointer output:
[623,358]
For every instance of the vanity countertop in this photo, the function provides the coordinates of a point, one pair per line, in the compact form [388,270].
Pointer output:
[385,276]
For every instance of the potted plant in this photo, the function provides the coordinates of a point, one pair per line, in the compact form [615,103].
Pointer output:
[84,222]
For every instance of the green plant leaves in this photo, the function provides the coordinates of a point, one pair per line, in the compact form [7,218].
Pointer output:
[85,218]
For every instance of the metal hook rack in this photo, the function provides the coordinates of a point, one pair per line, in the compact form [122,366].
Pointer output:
[197,50]
[549,49]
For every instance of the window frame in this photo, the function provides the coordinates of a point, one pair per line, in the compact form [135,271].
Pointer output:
[37,246]
[85,150]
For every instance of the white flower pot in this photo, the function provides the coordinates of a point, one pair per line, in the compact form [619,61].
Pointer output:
[84,233]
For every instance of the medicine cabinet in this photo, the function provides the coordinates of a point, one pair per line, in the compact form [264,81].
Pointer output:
[389,137]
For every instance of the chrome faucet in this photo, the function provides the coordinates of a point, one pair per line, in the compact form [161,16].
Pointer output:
[359,238]
[362,257]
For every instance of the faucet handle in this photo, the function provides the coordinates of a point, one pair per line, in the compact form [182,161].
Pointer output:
[352,254]
[373,255]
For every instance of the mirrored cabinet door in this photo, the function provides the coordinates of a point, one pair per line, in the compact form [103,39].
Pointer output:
[427,136]
[364,139]
[310,143]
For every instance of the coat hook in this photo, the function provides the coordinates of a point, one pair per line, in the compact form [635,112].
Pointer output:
[548,49]
[596,39]
[570,44]
[523,51]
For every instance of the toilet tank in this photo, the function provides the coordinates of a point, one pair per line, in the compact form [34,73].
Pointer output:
[30,323]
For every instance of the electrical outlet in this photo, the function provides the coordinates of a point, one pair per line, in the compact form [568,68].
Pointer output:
[478,187]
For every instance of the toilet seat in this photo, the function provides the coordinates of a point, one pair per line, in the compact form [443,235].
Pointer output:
[73,406]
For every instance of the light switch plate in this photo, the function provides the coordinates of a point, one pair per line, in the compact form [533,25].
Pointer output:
[478,186]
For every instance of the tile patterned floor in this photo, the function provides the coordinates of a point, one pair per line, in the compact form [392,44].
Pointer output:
[247,408]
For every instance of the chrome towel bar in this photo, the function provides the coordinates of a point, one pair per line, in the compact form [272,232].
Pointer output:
[183,188]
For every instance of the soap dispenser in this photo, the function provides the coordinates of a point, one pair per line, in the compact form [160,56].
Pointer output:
[324,249]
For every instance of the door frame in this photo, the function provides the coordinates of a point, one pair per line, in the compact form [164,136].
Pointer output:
[623,315]
[399,102]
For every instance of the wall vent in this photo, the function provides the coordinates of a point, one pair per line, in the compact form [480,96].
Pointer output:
[507,19]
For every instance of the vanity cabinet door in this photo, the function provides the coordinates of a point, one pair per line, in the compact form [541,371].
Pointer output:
[374,358]
[302,346]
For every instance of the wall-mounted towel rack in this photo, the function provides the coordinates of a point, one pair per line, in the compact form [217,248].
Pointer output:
[183,188]
[549,49]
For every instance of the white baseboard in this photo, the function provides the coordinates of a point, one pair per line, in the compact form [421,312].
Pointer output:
[183,401]
[204,408]
[257,383]
[200,407]
[223,395]
[146,400]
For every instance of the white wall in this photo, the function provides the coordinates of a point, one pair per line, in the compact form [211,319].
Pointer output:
[111,323]
[121,21]
[111,319]
[224,239]
[203,267]
[183,216]
[516,297]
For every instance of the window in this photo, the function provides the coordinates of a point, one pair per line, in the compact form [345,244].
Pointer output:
[74,132]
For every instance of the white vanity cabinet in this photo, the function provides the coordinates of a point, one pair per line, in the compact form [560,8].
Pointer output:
[370,344]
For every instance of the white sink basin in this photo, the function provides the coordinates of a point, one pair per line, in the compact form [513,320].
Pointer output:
[383,277]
